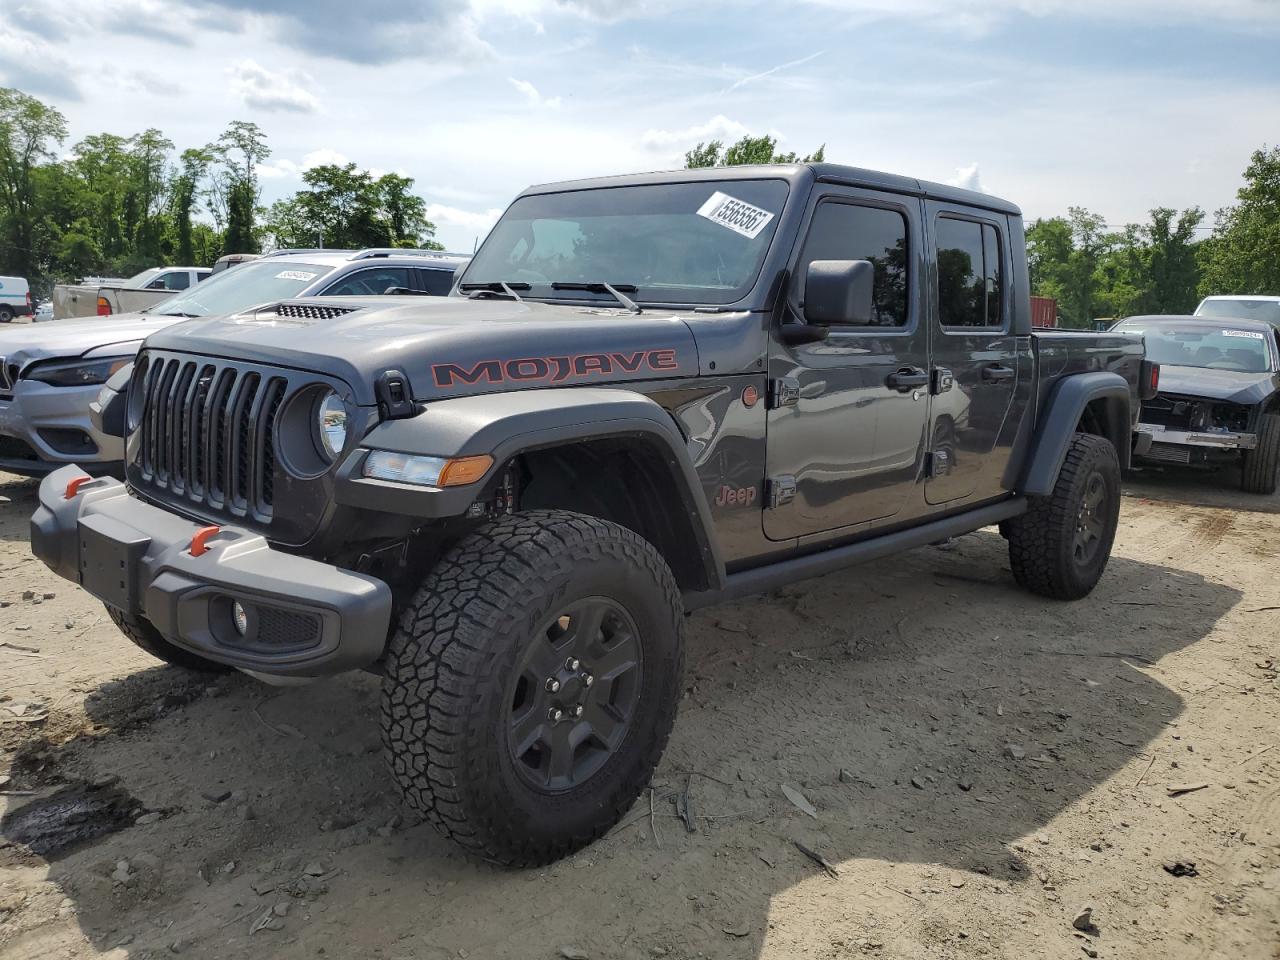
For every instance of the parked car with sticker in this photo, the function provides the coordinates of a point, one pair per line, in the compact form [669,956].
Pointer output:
[50,374]
[647,394]
[1219,397]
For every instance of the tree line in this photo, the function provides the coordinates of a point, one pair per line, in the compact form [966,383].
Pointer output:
[114,205]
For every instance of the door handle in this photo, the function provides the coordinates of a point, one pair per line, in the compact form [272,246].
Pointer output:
[997,374]
[907,379]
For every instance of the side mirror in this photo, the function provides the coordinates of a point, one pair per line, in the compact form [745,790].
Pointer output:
[838,292]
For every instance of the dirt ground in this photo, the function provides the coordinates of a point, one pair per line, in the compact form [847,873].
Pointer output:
[981,765]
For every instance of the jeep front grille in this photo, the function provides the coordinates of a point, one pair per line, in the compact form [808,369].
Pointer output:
[208,433]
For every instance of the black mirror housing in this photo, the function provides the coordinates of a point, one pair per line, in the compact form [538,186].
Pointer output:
[107,411]
[839,293]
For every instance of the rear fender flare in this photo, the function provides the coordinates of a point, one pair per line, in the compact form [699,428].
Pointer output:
[1061,415]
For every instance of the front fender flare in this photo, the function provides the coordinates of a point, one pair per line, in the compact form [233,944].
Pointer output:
[1061,415]
[507,424]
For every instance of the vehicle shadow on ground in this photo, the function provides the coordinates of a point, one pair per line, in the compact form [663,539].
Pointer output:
[929,711]
[1198,488]
[17,503]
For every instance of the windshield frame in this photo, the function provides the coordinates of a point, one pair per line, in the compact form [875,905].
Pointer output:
[1220,324]
[755,295]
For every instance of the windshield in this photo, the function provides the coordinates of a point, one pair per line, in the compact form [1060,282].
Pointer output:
[1265,310]
[1213,346]
[246,285]
[672,242]
[143,278]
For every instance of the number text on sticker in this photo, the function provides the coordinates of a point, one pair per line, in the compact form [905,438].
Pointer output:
[738,215]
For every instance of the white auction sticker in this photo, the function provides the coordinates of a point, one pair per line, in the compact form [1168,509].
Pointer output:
[738,215]
[1244,333]
[301,275]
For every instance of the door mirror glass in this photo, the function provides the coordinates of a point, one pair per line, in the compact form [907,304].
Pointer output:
[839,293]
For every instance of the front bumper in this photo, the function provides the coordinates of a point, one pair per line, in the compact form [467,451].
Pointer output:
[304,618]
[51,427]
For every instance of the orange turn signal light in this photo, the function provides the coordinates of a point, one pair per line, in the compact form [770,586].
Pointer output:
[464,470]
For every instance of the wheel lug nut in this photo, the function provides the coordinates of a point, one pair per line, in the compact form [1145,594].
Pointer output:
[588,679]
[553,685]
[571,664]
[555,715]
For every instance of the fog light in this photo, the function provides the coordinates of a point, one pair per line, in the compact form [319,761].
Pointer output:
[240,617]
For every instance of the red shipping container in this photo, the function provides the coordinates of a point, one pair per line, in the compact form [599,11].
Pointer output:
[1044,312]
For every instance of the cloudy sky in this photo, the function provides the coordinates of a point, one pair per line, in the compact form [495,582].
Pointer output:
[1116,105]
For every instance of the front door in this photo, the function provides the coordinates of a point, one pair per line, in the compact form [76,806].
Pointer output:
[847,424]
[977,366]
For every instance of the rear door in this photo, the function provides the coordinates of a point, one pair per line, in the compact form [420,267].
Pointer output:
[847,417]
[977,363]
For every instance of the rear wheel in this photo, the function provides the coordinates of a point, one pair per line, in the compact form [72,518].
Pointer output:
[533,683]
[1258,466]
[1061,545]
[141,632]
[6,314]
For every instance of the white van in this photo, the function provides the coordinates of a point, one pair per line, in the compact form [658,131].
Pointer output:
[15,298]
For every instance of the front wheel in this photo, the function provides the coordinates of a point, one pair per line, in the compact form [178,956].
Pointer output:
[1061,545]
[1258,466]
[532,684]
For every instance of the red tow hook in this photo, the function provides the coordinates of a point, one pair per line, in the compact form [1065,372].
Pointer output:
[200,542]
[74,485]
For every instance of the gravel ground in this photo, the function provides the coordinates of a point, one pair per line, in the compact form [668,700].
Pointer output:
[979,766]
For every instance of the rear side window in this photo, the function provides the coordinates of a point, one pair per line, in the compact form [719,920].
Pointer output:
[370,283]
[970,275]
[177,281]
[438,283]
[848,231]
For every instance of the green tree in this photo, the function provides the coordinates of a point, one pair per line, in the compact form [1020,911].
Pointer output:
[193,168]
[234,191]
[344,206]
[29,130]
[762,149]
[241,207]
[1243,255]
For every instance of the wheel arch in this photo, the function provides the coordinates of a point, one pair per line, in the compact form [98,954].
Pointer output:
[609,453]
[1097,403]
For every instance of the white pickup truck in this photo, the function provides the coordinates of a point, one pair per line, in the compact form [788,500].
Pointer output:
[98,297]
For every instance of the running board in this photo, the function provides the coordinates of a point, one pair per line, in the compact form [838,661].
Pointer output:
[746,583]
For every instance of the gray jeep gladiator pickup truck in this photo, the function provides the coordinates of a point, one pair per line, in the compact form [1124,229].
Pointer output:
[646,394]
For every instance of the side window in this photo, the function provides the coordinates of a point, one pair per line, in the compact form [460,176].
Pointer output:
[970,274]
[370,283]
[438,283]
[175,280]
[202,275]
[847,231]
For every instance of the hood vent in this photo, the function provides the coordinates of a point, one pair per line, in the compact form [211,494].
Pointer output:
[312,311]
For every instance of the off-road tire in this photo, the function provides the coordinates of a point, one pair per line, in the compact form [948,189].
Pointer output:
[451,664]
[1258,467]
[141,632]
[1042,541]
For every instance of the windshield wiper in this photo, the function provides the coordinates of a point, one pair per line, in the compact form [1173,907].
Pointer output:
[498,286]
[602,287]
[188,316]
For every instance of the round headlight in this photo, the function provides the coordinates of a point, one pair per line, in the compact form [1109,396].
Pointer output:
[331,418]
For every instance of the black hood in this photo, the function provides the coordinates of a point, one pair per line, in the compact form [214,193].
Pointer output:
[448,346]
[1246,388]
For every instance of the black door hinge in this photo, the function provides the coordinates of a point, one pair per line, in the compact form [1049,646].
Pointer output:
[781,490]
[783,392]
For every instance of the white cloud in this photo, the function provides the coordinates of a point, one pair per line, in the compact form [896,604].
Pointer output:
[477,221]
[968,178]
[754,77]
[261,88]
[718,127]
[530,93]
[325,156]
